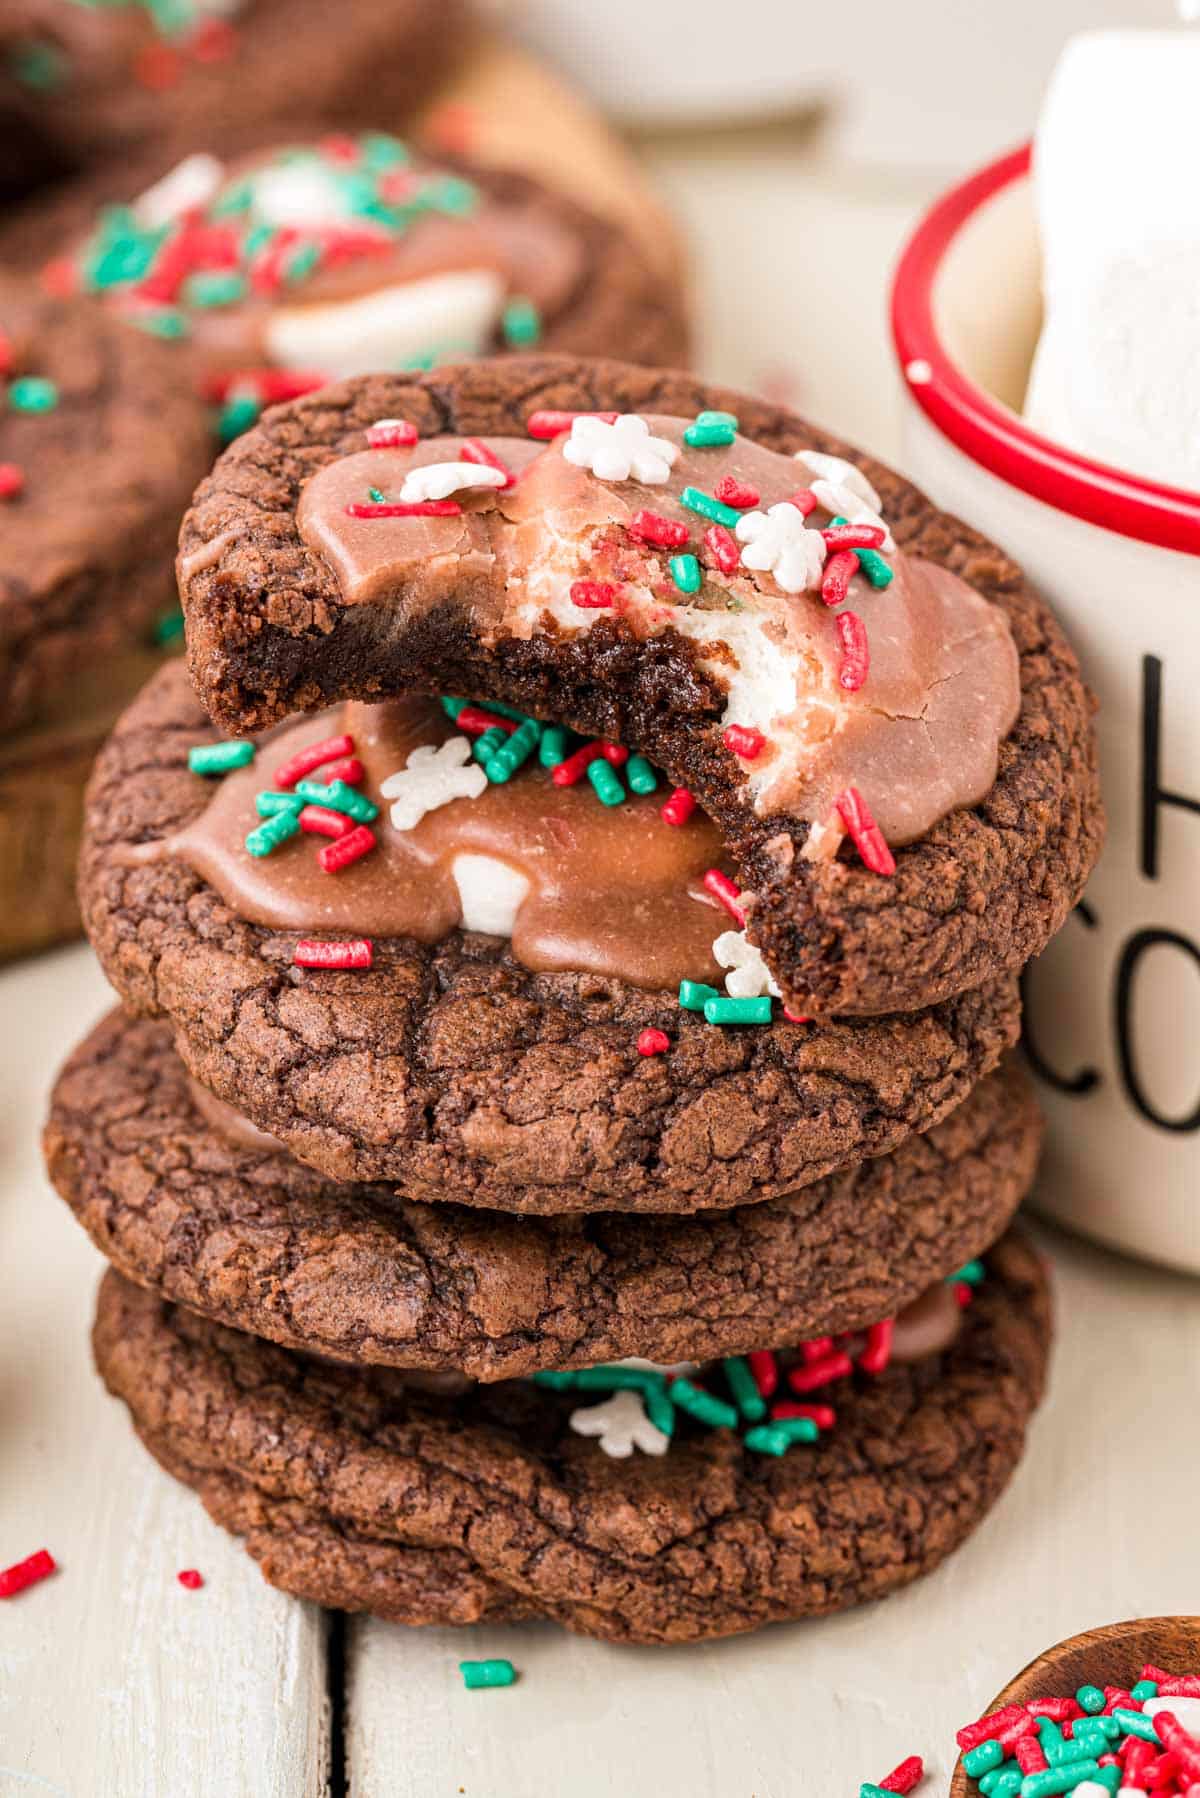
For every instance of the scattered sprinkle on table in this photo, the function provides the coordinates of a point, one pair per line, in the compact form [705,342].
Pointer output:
[191,1579]
[477,1674]
[34,1567]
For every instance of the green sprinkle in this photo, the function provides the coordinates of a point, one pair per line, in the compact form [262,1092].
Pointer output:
[709,436]
[738,1011]
[505,711]
[659,1409]
[220,758]
[515,752]
[240,411]
[486,1673]
[215,287]
[685,572]
[166,322]
[521,324]
[708,507]
[257,239]
[448,193]
[1145,1688]
[767,1439]
[268,803]
[169,628]
[1006,1782]
[611,1378]
[1054,1743]
[380,151]
[340,798]
[553,747]
[702,1405]
[728,419]
[973,1273]
[375,495]
[38,66]
[452,707]
[606,782]
[487,743]
[302,262]
[1136,1724]
[32,393]
[875,570]
[640,775]
[694,995]
[1063,1778]
[273,832]
[984,1759]
[867,1790]
[746,1396]
[236,198]
[554,1379]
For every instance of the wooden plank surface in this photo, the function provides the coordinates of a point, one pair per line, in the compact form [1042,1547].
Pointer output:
[115,1680]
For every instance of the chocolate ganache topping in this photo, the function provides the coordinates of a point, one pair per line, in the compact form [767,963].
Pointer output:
[917,732]
[576,885]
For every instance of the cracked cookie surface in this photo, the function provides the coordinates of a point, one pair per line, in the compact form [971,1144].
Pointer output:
[455,1073]
[245,1235]
[354,1491]
[975,896]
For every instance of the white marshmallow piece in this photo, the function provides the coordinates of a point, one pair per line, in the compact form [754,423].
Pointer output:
[191,183]
[433,776]
[779,542]
[1185,1710]
[621,451]
[438,480]
[748,976]
[444,316]
[1116,375]
[840,473]
[490,893]
[622,1425]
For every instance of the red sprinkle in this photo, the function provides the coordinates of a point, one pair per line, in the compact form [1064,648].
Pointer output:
[12,480]
[878,1351]
[652,527]
[796,1017]
[765,1369]
[474,449]
[972,1734]
[856,815]
[593,595]
[1181,1742]
[329,749]
[905,1777]
[313,952]
[732,492]
[545,425]
[824,1416]
[854,536]
[60,278]
[568,773]
[392,433]
[350,848]
[744,740]
[191,1579]
[475,719]
[26,1573]
[214,41]
[855,662]
[820,1373]
[653,1042]
[350,770]
[805,501]
[1175,1685]
[156,67]
[6,353]
[839,572]
[421,508]
[679,807]
[614,754]
[962,1295]
[1028,1755]
[269,384]
[722,546]
[726,894]
[816,1348]
[323,821]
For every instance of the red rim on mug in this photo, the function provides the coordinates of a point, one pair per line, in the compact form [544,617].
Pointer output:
[989,432]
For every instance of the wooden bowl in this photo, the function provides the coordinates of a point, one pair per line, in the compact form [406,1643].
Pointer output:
[1112,1656]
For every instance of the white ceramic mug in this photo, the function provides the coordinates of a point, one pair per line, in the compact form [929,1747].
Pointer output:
[1113,1006]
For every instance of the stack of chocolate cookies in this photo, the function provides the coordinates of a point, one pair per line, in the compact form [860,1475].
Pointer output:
[558,1151]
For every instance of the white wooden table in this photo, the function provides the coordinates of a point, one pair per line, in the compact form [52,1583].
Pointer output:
[115,1682]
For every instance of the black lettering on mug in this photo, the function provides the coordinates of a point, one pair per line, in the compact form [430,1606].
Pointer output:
[1154,794]
[1087,1079]
[1131,955]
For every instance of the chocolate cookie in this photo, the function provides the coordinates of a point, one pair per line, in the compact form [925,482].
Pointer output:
[100,445]
[357,1490]
[945,713]
[450,1067]
[275,267]
[206,1211]
[83,83]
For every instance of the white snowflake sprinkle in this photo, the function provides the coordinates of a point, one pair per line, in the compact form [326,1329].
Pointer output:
[843,502]
[622,1425]
[840,473]
[433,777]
[191,183]
[748,976]
[780,542]
[622,451]
[438,480]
